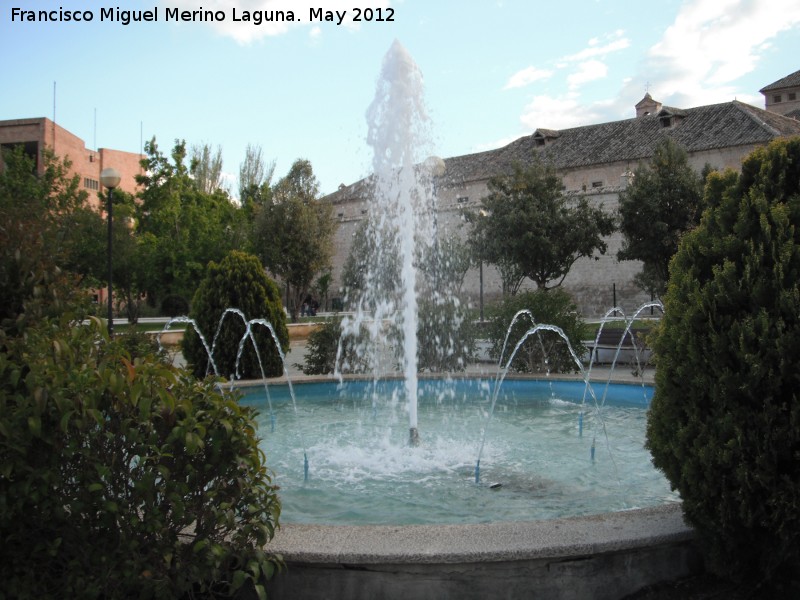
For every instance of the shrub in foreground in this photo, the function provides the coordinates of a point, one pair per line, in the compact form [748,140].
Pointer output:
[125,478]
[724,424]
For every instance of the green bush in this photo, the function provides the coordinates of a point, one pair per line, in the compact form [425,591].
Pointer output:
[445,336]
[124,478]
[724,424]
[542,352]
[239,281]
[322,348]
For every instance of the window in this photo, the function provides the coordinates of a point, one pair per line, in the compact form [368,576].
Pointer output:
[462,199]
[792,96]
[597,184]
[776,98]
[91,184]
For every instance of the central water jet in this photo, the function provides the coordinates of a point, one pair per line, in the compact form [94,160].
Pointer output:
[401,209]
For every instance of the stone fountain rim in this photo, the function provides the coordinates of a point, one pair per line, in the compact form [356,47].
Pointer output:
[484,542]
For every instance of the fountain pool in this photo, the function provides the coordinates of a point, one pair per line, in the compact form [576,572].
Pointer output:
[537,462]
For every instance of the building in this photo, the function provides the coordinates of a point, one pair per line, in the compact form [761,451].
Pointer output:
[783,96]
[39,133]
[595,161]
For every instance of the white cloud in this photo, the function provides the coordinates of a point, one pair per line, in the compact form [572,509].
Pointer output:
[245,32]
[560,112]
[711,44]
[590,70]
[526,77]
[594,50]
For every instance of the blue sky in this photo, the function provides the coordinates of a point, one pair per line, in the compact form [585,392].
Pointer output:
[494,70]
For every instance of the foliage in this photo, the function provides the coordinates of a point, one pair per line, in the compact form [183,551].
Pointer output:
[124,478]
[206,168]
[545,351]
[530,223]
[323,349]
[445,335]
[657,208]
[183,227]
[254,175]
[119,475]
[239,282]
[36,215]
[174,306]
[371,266]
[724,424]
[445,263]
[293,233]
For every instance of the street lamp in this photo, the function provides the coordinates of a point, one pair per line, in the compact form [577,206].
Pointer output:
[110,179]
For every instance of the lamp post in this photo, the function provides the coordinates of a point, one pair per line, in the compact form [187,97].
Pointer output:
[110,179]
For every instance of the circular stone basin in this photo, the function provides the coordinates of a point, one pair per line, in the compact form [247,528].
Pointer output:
[552,449]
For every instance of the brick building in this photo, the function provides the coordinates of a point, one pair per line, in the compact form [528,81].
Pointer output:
[36,134]
[594,161]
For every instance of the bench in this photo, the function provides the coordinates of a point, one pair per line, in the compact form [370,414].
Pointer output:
[604,348]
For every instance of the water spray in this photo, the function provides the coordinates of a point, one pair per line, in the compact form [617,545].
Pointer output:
[413,437]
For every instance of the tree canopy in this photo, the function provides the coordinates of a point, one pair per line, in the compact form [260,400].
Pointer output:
[38,240]
[657,208]
[531,224]
[188,226]
[293,232]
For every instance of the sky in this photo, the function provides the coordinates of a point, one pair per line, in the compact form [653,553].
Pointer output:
[494,70]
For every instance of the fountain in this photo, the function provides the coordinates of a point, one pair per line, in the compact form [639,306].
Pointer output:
[604,552]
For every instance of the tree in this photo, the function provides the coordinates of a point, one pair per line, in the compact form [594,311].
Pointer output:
[188,227]
[36,237]
[239,282]
[662,203]
[530,223]
[293,232]
[723,423]
[367,259]
[206,168]
[255,177]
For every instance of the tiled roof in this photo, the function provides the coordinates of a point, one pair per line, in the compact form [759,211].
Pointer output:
[701,128]
[792,80]
[697,129]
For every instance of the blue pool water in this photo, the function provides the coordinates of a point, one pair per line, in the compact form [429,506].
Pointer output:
[362,470]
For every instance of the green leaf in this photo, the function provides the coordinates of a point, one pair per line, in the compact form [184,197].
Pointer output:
[35,425]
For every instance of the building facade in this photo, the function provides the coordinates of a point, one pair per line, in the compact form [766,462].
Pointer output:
[595,161]
[37,134]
